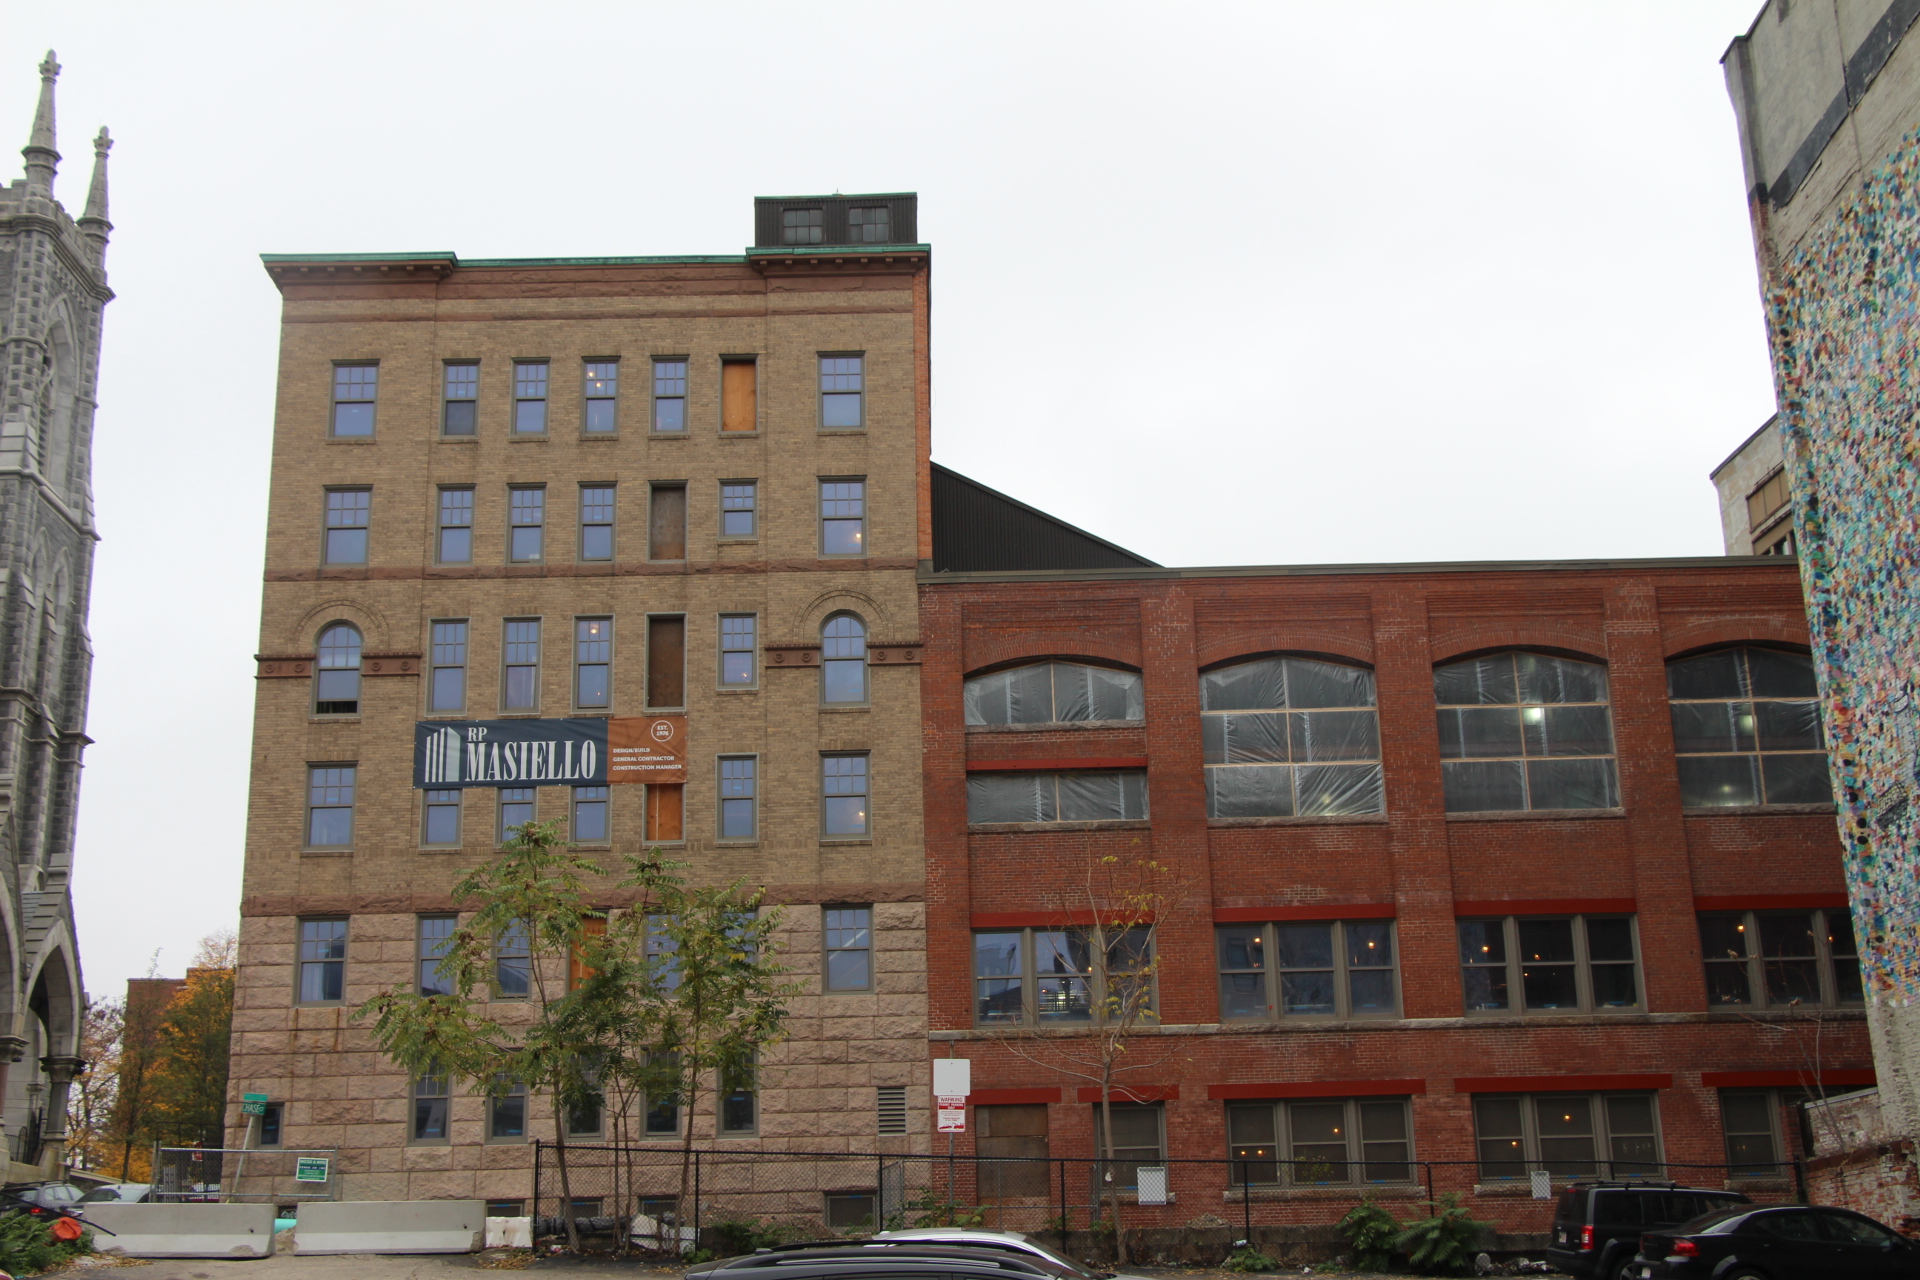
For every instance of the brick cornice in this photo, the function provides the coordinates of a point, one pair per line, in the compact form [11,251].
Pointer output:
[629,569]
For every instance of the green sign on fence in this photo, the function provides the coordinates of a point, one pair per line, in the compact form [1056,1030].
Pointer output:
[310,1169]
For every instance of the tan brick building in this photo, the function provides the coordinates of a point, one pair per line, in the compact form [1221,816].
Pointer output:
[550,489]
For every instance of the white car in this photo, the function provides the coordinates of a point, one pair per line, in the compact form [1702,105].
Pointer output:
[1005,1241]
[117,1193]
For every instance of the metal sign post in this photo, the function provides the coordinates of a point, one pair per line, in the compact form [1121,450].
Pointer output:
[952,1085]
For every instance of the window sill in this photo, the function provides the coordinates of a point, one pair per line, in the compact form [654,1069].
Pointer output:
[1309,1020]
[739,435]
[665,711]
[734,844]
[351,440]
[1120,824]
[1331,820]
[352,719]
[319,1004]
[1755,810]
[440,848]
[1578,1017]
[845,842]
[528,438]
[1782,1014]
[447,439]
[835,709]
[426,1143]
[724,689]
[1057,726]
[736,542]
[666,435]
[600,435]
[593,844]
[1533,815]
[326,851]
[1381,1190]
[842,431]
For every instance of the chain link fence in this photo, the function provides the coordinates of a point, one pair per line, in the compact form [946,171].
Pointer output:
[215,1174]
[733,1201]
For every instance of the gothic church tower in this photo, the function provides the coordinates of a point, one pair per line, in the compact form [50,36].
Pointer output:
[53,291]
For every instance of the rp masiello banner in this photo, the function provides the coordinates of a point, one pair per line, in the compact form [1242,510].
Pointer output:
[520,753]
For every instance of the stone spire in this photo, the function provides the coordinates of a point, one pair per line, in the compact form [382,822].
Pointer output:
[42,159]
[93,223]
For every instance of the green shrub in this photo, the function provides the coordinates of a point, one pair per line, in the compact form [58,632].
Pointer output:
[1370,1231]
[735,1235]
[1248,1258]
[1444,1244]
[27,1244]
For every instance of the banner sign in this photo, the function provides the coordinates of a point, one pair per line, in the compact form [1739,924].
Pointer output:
[647,749]
[451,754]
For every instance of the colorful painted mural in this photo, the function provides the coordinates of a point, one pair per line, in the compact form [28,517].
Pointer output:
[1845,311]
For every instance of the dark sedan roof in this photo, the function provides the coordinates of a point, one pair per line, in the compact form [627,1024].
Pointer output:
[905,1254]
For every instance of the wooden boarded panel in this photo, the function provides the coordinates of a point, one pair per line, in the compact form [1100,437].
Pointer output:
[577,970]
[667,538]
[1012,1132]
[663,812]
[666,662]
[739,396]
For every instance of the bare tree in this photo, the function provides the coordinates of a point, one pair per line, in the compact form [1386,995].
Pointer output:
[1111,929]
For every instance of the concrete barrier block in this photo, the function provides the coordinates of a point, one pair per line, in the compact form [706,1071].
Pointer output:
[183,1230]
[509,1233]
[391,1226]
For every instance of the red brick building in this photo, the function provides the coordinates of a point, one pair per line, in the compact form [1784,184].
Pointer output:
[1540,790]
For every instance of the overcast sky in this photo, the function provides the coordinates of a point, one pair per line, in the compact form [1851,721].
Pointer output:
[1226,284]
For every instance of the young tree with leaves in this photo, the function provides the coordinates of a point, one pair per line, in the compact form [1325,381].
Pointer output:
[1128,902]
[94,1097]
[189,1082]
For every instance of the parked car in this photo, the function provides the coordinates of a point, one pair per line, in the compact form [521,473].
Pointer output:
[117,1193]
[850,1261]
[1597,1225]
[1788,1242]
[1003,1241]
[48,1195]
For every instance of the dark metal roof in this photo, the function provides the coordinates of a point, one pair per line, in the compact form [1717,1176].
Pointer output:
[980,530]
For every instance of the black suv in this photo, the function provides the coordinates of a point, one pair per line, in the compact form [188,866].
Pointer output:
[867,1262]
[1597,1225]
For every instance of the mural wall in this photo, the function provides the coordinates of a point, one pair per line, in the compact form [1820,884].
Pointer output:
[1845,310]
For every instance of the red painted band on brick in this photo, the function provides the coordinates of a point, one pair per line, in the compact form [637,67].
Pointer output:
[1544,907]
[1318,911]
[1048,765]
[1044,919]
[1012,1097]
[1786,1079]
[1768,901]
[1319,1089]
[1133,1093]
[1557,1084]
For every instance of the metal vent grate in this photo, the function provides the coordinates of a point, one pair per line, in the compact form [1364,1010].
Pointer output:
[893,1109]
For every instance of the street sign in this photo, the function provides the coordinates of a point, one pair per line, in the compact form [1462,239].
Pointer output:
[253,1108]
[253,1097]
[952,1077]
[310,1169]
[951,1113]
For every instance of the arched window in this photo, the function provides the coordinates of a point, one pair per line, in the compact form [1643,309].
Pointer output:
[336,684]
[1287,737]
[843,659]
[1052,692]
[1747,729]
[1525,731]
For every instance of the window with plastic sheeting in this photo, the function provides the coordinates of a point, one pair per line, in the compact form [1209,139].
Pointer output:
[1290,737]
[1746,729]
[1054,692]
[1109,795]
[1525,731]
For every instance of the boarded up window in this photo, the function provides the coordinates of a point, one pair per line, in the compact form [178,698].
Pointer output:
[577,970]
[739,396]
[663,811]
[1767,499]
[668,540]
[1016,1134]
[666,662]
